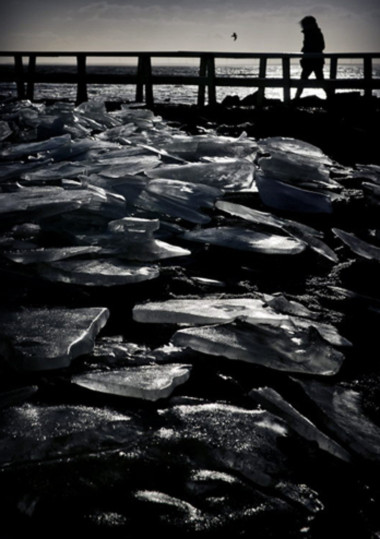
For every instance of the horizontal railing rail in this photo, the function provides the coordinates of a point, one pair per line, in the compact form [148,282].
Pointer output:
[25,73]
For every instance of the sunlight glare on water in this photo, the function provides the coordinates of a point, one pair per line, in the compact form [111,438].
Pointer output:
[176,94]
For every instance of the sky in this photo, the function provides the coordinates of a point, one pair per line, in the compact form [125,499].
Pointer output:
[186,25]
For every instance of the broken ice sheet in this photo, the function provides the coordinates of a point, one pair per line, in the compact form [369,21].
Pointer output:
[203,311]
[297,170]
[147,382]
[284,196]
[55,172]
[106,272]
[195,147]
[178,199]
[5,130]
[18,151]
[48,254]
[303,232]
[284,348]
[294,146]
[41,339]
[344,417]
[275,403]
[211,310]
[297,162]
[358,246]
[244,239]
[40,202]
[232,175]
[130,165]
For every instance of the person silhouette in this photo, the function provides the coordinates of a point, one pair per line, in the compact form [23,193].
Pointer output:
[313,42]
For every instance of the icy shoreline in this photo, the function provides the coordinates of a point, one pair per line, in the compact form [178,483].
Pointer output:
[188,331]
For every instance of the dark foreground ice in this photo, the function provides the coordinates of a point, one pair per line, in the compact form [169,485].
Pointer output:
[188,331]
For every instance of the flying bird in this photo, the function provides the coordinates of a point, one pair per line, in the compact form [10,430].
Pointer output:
[234,35]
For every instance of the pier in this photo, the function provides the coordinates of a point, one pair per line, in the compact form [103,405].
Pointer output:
[25,73]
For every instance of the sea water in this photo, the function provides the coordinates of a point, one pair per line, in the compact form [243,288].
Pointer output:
[176,94]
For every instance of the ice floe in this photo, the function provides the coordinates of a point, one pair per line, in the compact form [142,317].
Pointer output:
[284,196]
[244,239]
[286,348]
[148,382]
[231,175]
[276,404]
[178,199]
[344,416]
[303,232]
[43,339]
[92,272]
[358,246]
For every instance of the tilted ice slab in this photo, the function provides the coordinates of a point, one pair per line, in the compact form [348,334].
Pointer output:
[198,146]
[297,170]
[372,192]
[56,171]
[304,233]
[358,246]
[106,272]
[131,165]
[204,311]
[246,441]
[297,162]
[244,239]
[39,202]
[223,310]
[284,196]
[147,382]
[18,151]
[48,254]
[118,133]
[178,199]
[233,175]
[344,417]
[41,339]
[276,404]
[262,218]
[294,146]
[5,130]
[128,186]
[299,350]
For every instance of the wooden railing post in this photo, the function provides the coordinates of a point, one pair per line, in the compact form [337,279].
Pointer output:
[367,60]
[148,82]
[19,71]
[262,75]
[211,80]
[140,79]
[333,74]
[82,85]
[31,72]
[201,85]
[286,77]
[144,79]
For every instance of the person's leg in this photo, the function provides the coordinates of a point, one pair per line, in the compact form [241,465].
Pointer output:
[319,75]
[306,72]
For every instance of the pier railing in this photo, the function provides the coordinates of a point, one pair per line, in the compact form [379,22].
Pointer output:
[25,73]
